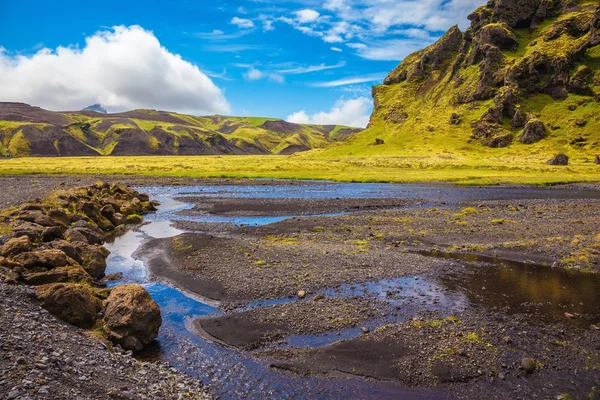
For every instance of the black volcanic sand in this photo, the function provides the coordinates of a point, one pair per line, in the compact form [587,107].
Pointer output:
[518,264]
[512,264]
[284,207]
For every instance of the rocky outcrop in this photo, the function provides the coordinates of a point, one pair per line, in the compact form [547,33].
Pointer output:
[72,303]
[132,318]
[514,51]
[56,246]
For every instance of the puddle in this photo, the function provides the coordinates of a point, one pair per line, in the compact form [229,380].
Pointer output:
[233,374]
[544,293]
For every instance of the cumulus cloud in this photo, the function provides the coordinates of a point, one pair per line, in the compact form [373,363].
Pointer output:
[353,112]
[242,23]
[337,49]
[121,68]
[307,15]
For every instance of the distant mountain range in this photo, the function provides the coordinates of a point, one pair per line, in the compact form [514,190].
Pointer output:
[97,108]
[32,131]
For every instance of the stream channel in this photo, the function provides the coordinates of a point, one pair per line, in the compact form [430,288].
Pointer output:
[234,374]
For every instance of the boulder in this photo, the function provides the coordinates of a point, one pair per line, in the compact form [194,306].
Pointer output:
[118,219]
[17,245]
[534,131]
[75,235]
[68,248]
[72,303]
[107,211]
[59,216]
[60,274]
[52,233]
[93,258]
[47,259]
[37,217]
[379,141]
[134,219]
[559,159]
[597,160]
[132,318]
[29,229]
[84,235]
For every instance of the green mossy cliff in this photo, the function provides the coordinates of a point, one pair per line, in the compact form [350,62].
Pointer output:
[524,77]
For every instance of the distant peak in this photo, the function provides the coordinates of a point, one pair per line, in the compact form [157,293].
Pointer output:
[97,108]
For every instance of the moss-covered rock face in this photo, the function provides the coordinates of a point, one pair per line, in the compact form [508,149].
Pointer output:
[520,60]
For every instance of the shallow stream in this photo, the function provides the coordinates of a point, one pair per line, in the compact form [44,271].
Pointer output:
[235,374]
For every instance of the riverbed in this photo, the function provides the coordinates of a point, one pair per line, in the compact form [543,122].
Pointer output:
[203,331]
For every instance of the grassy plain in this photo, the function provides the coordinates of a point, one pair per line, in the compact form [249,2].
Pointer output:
[439,168]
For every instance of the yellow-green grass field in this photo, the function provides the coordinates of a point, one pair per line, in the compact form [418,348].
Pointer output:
[441,168]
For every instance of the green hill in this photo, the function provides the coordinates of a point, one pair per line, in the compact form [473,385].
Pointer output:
[523,80]
[32,131]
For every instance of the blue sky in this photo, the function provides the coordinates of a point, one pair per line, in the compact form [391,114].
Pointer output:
[307,61]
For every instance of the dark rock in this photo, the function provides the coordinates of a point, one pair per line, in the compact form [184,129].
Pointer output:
[93,258]
[559,159]
[68,248]
[533,132]
[500,141]
[86,235]
[29,229]
[379,141]
[59,216]
[36,217]
[132,317]
[581,123]
[454,119]
[597,160]
[72,303]
[52,233]
[519,119]
[500,36]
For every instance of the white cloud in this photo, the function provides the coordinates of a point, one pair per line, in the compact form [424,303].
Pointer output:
[254,74]
[307,15]
[351,80]
[311,68]
[122,68]
[377,23]
[392,50]
[242,23]
[336,49]
[354,112]
[357,45]
[217,32]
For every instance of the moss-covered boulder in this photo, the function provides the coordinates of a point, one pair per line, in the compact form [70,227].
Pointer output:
[73,303]
[132,317]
